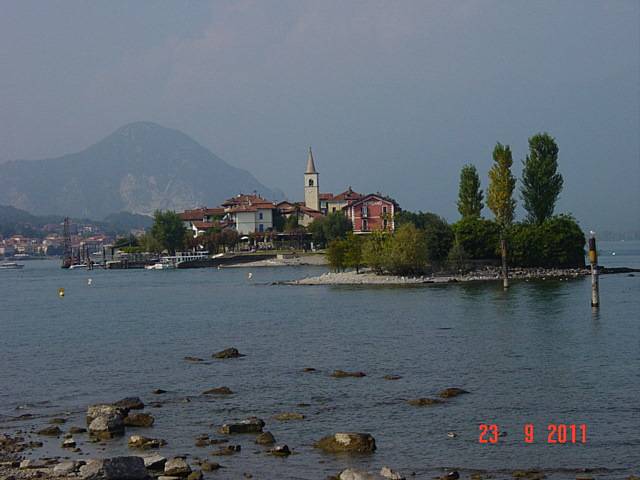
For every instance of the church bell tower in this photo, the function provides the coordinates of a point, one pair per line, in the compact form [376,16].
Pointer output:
[311,187]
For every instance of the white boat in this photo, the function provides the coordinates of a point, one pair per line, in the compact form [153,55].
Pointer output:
[159,266]
[11,266]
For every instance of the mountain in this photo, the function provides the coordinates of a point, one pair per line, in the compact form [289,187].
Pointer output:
[139,168]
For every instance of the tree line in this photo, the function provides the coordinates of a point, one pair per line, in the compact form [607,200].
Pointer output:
[423,242]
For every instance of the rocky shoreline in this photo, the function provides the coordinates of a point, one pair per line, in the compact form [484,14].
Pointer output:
[367,277]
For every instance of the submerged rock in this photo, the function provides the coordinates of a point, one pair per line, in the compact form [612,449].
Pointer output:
[347,442]
[117,468]
[130,403]
[218,391]
[139,420]
[341,374]
[228,353]
[391,474]
[280,451]
[250,425]
[290,416]
[419,402]
[52,431]
[138,441]
[452,392]
[265,438]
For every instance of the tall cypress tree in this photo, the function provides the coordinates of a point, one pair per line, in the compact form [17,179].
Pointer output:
[541,184]
[500,193]
[470,196]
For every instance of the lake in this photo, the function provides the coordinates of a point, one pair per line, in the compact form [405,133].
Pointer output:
[535,355]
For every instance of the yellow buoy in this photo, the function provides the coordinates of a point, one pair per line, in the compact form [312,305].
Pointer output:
[250,275]
[61,292]
[89,282]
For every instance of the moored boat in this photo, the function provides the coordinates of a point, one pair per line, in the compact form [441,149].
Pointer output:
[11,266]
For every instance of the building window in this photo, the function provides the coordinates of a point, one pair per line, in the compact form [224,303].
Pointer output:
[261,227]
[384,209]
[365,225]
[365,211]
[311,182]
[260,215]
[385,223]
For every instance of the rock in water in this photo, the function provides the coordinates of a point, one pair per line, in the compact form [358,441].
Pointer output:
[177,467]
[130,403]
[105,410]
[250,425]
[391,474]
[52,431]
[218,391]
[117,468]
[265,438]
[419,402]
[107,427]
[358,474]
[139,420]
[452,392]
[347,442]
[228,353]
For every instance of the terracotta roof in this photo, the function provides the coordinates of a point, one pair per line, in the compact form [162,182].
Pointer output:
[200,213]
[309,211]
[247,200]
[345,196]
[325,196]
[373,195]
[251,208]
[204,225]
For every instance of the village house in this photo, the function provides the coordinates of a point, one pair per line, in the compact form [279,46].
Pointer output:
[200,220]
[249,213]
[372,212]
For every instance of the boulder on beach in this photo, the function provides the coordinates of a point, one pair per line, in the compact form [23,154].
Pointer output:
[154,462]
[250,425]
[347,442]
[138,420]
[218,391]
[67,468]
[177,467]
[359,474]
[228,353]
[391,474]
[420,402]
[116,468]
[452,392]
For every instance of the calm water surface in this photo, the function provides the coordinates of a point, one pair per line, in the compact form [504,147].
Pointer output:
[535,355]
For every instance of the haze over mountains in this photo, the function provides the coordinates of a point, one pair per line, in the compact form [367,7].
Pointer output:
[139,168]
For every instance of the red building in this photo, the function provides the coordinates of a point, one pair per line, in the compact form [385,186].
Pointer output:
[372,212]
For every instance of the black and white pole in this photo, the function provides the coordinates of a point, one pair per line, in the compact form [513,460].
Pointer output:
[593,258]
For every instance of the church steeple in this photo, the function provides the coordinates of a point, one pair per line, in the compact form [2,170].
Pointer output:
[311,187]
[311,168]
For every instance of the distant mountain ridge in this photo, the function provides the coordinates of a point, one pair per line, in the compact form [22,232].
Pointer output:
[139,168]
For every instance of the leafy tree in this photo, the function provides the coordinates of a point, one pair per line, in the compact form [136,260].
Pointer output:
[479,238]
[316,230]
[291,222]
[150,244]
[557,242]
[353,255]
[375,251]
[457,258]
[336,225]
[130,239]
[541,184]
[168,230]
[407,251]
[470,196]
[336,254]
[500,198]
[437,233]
[500,194]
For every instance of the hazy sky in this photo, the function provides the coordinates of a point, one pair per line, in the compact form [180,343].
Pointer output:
[393,96]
